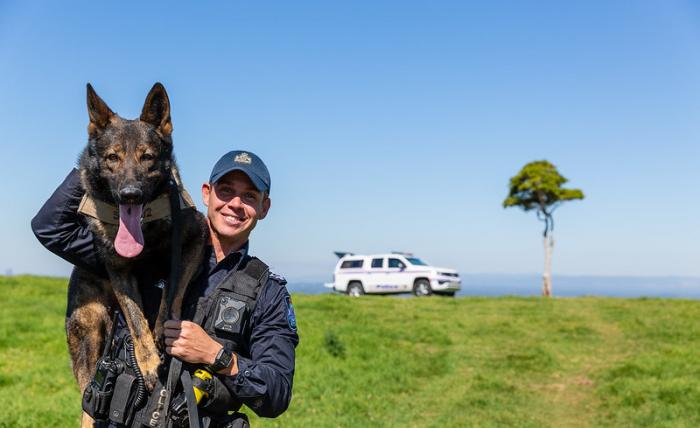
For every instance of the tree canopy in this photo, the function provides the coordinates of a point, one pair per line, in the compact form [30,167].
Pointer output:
[538,186]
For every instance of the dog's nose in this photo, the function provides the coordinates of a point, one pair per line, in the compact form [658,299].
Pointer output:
[130,193]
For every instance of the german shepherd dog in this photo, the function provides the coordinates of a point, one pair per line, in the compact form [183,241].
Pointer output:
[128,164]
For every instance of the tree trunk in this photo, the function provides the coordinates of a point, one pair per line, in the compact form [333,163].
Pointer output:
[547,275]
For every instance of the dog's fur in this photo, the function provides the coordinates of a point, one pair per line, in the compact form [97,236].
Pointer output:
[129,154]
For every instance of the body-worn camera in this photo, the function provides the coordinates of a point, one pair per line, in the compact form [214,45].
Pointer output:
[229,313]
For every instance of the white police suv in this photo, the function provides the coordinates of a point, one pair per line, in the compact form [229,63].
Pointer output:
[391,273]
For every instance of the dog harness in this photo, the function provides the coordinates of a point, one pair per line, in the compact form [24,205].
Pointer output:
[157,209]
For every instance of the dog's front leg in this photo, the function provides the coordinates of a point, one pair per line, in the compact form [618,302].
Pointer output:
[87,323]
[126,290]
[192,256]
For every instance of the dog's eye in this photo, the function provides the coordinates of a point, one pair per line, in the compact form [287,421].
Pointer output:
[147,157]
[112,157]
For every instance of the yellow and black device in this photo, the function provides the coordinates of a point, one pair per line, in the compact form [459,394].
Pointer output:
[201,382]
[202,385]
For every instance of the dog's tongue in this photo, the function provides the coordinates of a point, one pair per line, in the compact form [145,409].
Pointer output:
[129,240]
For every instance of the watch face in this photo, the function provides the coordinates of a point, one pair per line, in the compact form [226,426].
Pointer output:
[223,359]
[226,358]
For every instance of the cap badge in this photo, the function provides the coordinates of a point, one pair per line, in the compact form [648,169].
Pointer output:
[243,158]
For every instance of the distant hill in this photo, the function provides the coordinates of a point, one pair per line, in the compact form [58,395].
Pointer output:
[564,286]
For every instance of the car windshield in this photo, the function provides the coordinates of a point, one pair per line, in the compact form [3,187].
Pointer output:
[415,261]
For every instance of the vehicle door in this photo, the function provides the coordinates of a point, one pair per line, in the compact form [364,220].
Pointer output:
[376,275]
[397,276]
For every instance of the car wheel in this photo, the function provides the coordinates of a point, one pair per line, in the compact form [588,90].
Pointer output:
[355,289]
[422,288]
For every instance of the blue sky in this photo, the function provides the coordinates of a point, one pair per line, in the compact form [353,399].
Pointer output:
[386,125]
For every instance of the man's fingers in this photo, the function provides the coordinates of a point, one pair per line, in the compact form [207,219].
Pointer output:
[176,351]
[173,350]
[172,324]
[169,341]
[186,325]
[169,332]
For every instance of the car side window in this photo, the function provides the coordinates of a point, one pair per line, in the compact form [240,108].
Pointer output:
[396,263]
[349,264]
[377,263]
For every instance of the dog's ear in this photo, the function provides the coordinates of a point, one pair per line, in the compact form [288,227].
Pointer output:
[100,113]
[156,110]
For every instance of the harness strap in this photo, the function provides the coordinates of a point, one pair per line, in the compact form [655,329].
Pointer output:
[175,245]
[192,412]
[108,341]
[157,209]
[175,257]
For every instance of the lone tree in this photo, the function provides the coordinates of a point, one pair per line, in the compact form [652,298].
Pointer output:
[538,187]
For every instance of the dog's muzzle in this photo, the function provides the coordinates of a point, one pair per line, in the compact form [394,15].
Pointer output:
[130,195]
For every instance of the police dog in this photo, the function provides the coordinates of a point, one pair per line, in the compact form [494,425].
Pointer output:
[127,166]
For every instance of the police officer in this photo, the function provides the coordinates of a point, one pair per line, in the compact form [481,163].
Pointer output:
[238,318]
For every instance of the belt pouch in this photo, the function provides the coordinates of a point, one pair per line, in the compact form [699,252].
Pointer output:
[120,408]
[96,402]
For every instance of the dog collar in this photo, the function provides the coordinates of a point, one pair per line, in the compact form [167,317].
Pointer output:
[157,209]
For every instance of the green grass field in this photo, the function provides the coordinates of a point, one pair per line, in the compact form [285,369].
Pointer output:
[377,361]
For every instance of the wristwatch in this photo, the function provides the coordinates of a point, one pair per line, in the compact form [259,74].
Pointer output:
[222,361]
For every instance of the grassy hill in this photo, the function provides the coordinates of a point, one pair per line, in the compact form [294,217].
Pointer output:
[376,361]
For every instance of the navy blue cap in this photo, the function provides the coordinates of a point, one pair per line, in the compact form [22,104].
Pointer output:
[248,162]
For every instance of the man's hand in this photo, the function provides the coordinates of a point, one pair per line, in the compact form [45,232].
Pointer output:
[189,342]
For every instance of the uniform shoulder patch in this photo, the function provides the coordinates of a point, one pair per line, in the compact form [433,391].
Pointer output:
[291,317]
[279,278]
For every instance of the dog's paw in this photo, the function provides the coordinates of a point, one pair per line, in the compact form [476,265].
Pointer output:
[150,379]
[149,370]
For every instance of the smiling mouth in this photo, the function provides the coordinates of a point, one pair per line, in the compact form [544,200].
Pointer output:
[232,219]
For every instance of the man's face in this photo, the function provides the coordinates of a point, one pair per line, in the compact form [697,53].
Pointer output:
[234,206]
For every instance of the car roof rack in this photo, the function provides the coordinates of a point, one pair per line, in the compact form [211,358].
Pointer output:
[342,254]
[403,253]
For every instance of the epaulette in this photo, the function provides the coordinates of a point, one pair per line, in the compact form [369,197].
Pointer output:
[278,278]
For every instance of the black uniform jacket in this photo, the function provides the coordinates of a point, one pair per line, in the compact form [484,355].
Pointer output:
[265,362]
